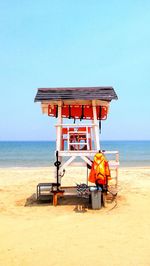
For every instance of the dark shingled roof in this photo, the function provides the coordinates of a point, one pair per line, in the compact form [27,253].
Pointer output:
[76,93]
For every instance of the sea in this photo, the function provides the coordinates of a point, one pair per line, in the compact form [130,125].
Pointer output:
[42,153]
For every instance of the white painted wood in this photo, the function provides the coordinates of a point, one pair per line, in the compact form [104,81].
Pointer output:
[96,126]
[74,102]
[84,153]
[78,143]
[44,109]
[87,160]
[113,164]
[93,133]
[77,164]
[75,125]
[110,152]
[79,132]
[68,162]
[68,137]
[78,153]
[87,138]
[59,128]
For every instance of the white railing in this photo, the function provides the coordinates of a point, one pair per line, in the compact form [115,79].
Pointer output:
[76,135]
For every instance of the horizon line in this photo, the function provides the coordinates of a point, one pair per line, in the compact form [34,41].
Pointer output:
[25,140]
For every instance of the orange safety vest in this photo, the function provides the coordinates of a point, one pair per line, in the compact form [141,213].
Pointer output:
[100,171]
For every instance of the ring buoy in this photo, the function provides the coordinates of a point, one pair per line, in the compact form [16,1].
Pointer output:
[75,147]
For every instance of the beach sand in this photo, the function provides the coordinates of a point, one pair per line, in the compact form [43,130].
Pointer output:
[40,234]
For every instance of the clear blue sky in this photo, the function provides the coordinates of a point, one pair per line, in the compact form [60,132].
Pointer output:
[74,43]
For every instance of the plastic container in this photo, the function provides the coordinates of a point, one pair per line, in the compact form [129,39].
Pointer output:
[96,198]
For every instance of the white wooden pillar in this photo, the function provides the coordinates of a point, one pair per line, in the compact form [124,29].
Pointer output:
[59,128]
[59,136]
[95,126]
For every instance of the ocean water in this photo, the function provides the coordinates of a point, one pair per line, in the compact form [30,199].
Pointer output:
[42,153]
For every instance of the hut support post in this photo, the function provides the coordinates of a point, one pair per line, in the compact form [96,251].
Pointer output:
[59,127]
[95,126]
[59,136]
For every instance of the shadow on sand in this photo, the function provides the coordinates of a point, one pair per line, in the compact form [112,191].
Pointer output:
[80,204]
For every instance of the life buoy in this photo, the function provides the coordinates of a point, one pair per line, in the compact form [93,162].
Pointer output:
[76,145]
[100,172]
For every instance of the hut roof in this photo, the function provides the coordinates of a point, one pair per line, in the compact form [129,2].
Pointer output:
[76,93]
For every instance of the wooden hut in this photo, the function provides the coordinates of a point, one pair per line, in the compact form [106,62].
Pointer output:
[86,107]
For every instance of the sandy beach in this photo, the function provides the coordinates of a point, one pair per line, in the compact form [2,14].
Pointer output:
[40,234]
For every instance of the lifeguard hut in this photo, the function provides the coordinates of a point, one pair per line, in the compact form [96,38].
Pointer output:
[85,107]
